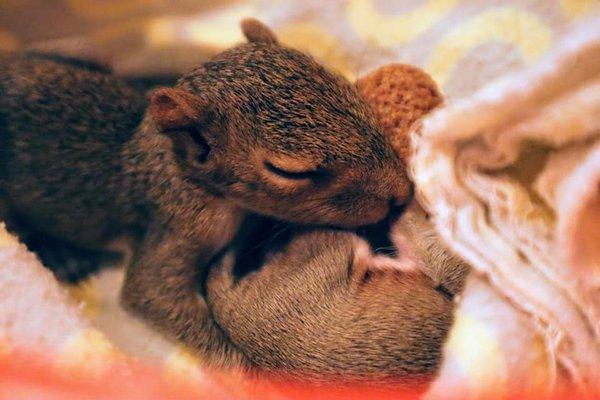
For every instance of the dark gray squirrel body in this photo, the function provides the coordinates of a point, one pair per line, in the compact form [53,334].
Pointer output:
[317,305]
[263,128]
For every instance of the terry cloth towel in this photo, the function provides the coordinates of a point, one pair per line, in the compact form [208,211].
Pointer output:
[512,176]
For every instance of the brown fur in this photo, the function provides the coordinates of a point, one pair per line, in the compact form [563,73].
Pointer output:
[260,127]
[256,32]
[319,305]
[280,107]
[317,309]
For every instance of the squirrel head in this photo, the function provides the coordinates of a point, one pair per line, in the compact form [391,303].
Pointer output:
[270,129]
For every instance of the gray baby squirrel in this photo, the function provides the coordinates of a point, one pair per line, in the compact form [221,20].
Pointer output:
[317,305]
[85,158]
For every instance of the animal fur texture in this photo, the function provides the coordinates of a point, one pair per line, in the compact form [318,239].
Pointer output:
[259,127]
[324,308]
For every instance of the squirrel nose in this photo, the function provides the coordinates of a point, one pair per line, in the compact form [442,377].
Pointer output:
[402,198]
[398,201]
[400,188]
[396,207]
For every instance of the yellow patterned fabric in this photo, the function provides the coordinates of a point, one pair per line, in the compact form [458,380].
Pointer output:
[463,44]
[512,176]
[451,39]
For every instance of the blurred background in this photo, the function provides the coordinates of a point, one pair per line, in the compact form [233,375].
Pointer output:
[449,38]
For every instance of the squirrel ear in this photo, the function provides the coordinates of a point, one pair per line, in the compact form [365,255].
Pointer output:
[257,32]
[173,108]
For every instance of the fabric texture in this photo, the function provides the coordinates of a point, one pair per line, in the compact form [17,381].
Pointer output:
[512,177]
[511,172]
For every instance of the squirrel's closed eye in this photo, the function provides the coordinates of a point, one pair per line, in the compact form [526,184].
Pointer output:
[294,174]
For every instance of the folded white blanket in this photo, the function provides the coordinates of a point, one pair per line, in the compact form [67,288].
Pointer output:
[512,176]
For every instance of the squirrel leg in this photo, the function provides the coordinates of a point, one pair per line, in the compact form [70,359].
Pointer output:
[162,286]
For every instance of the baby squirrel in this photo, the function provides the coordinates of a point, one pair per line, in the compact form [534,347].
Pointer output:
[317,305]
[334,311]
[260,127]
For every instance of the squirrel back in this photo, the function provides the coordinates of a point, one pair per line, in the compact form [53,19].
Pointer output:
[62,127]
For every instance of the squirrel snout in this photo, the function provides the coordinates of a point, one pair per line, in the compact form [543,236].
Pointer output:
[402,194]
[394,184]
[397,203]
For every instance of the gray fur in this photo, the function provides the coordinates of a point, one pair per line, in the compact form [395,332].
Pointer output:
[83,162]
[314,311]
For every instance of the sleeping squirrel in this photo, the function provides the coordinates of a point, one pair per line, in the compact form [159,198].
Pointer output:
[85,158]
[317,305]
